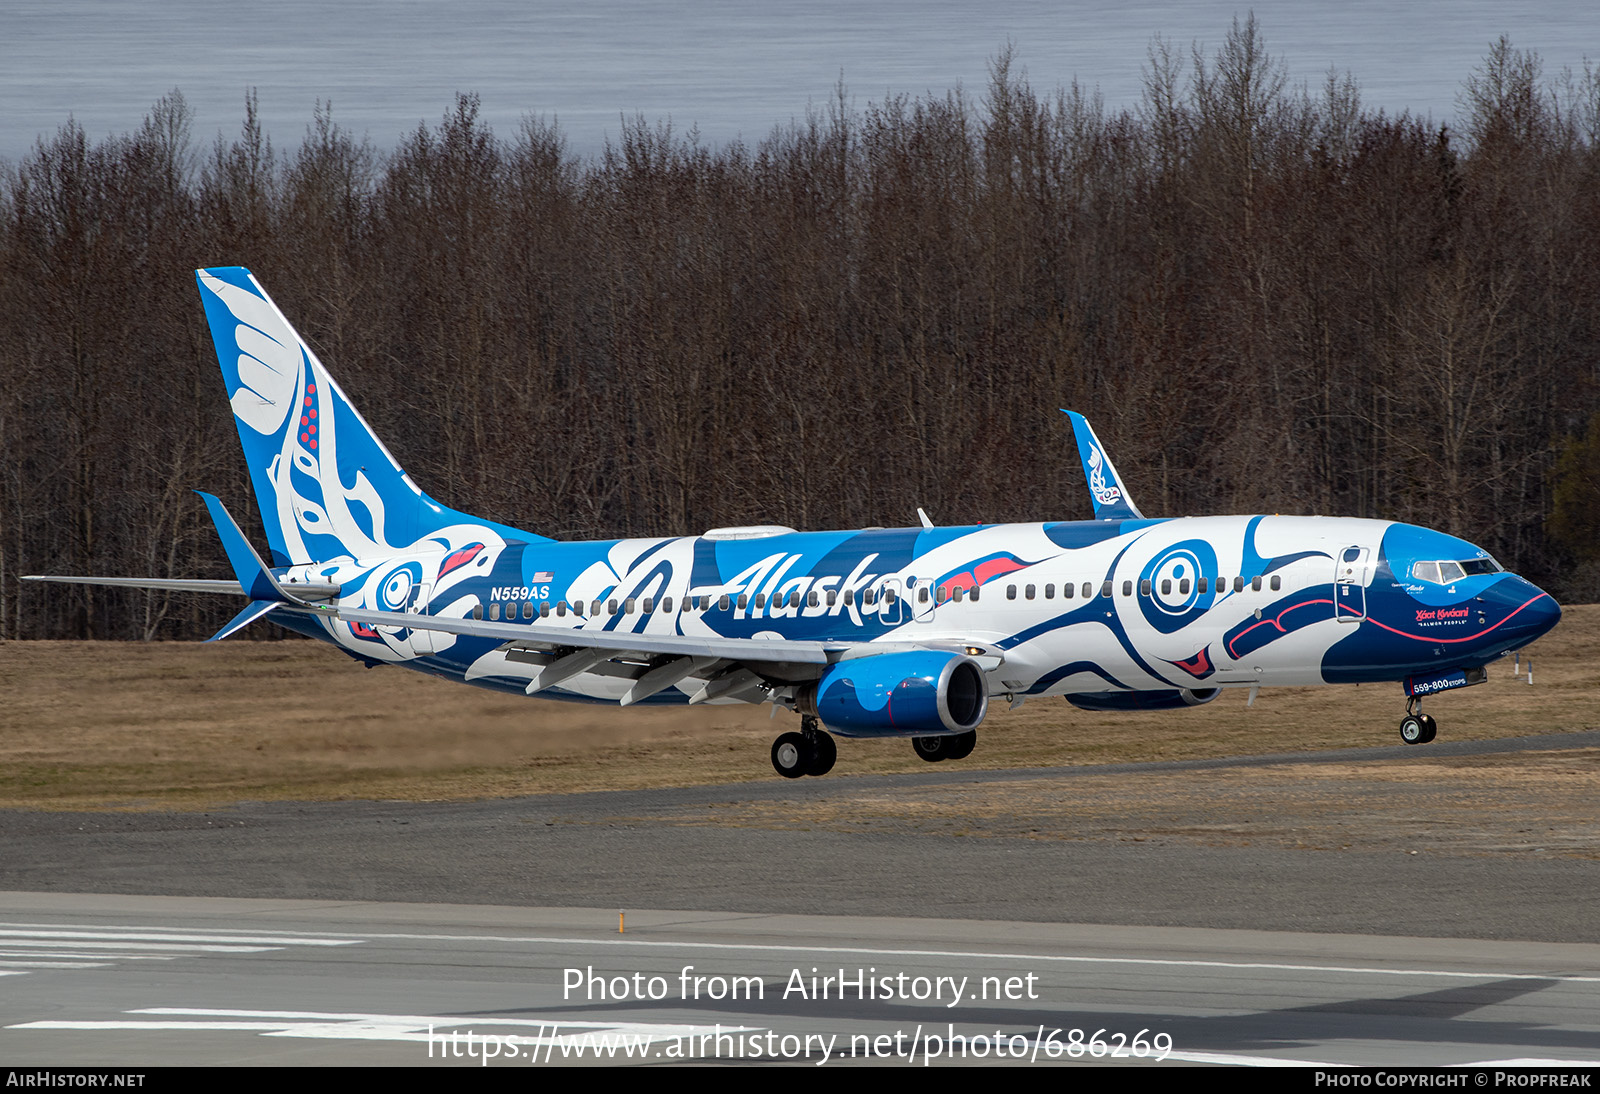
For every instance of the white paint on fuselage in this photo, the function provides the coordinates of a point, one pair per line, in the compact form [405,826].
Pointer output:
[615,570]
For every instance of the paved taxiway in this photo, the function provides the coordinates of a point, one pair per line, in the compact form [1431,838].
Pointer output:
[135,981]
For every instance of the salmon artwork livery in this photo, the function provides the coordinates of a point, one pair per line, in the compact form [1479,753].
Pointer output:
[882,632]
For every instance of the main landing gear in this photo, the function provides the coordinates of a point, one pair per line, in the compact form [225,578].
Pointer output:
[809,752]
[934,749]
[1417,728]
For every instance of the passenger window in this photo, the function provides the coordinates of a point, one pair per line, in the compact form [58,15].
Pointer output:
[1088,590]
[1067,590]
[833,597]
[849,598]
[666,604]
[1011,592]
[1029,592]
[1238,584]
[890,596]
[723,602]
[1105,589]
[649,605]
[744,601]
[544,609]
[477,611]
[594,609]
[628,605]
[955,594]
[611,606]
[527,609]
[811,599]
[975,594]
[1127,588]
[1277,582]
[869,597]
[494,612]
[941,594]
[1050,591]
[561,609]
[1183,587]
[1255,584]
[1166,586]
[1202,585]
[1144,586]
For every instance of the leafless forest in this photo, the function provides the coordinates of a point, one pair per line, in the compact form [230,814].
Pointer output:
[1266,298]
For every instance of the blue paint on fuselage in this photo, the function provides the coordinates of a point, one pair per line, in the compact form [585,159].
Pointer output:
[1484,616]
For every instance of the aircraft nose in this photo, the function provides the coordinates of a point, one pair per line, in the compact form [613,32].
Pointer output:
[1531,612]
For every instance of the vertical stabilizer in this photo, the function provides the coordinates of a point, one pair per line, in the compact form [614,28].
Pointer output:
[1110,497]
[327,486]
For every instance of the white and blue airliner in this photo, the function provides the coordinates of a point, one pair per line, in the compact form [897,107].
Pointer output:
[883,632]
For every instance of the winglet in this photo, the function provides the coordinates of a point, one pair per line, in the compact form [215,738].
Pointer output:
[255,611]
[257,580]
[1111,500]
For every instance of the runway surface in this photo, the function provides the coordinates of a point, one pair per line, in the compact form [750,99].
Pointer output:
[139,981]
[341,932]
[869,846]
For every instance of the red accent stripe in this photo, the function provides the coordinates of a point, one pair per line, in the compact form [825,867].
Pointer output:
[1463,638]
[997,567]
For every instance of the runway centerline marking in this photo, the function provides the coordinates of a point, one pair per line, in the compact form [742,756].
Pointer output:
[320,938]
[1159,962]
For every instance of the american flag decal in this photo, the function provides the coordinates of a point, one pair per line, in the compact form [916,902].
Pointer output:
[543,575]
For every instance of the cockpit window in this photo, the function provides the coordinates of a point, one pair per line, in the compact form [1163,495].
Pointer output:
[1443,573]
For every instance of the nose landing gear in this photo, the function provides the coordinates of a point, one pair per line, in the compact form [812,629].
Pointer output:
[1417,728]
[809,752]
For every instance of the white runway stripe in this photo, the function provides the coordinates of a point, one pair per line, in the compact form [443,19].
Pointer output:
[78,953]
[54,964]
[28,947]
[163,947]
[165,935]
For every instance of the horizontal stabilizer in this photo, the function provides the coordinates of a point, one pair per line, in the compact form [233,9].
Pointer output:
[168,584]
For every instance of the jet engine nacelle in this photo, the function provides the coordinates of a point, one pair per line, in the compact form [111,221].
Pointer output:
[919,693]
[1143,700]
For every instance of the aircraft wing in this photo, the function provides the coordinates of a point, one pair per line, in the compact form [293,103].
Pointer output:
[744,649]
[730,667]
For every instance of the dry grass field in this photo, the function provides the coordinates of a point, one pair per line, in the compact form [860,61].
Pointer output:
[189,726]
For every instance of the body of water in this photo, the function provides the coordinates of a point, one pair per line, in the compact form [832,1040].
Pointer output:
[733,69]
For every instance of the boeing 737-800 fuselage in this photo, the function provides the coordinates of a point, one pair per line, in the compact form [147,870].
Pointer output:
[880,632]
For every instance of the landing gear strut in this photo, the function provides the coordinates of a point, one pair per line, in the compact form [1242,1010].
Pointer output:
[809,752]
[1417,728]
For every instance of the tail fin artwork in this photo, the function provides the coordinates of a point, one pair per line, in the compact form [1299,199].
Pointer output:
[327,486]
[1110,497]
